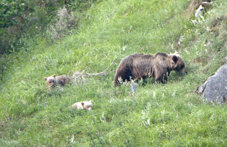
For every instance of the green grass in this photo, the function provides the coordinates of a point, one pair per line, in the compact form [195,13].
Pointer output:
[156,115]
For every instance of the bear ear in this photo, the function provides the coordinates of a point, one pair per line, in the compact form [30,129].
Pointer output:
[175,59]
[82,103]
[54,75]
[45,79]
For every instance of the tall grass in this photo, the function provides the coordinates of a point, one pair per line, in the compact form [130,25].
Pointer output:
[157,114]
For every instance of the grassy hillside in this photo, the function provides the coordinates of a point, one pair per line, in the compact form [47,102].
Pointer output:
[157,114]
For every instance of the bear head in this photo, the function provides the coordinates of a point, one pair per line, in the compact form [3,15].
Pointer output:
[177,63]
[87,105]
[51,81]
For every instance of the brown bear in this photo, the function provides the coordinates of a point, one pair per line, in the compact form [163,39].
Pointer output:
[54,80]
[140,66]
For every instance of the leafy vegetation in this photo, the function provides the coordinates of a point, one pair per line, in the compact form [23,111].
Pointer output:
[22,19]
[156,115]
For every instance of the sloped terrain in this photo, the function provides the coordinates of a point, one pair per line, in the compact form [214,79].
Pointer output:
[159,115]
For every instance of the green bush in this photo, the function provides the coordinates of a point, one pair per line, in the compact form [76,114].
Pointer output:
[25,19]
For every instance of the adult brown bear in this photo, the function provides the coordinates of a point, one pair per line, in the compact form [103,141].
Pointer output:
[140,66]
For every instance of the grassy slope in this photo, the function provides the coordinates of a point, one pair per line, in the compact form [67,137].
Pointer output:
[163,115]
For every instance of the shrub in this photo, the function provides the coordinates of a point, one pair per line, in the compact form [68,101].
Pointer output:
[64,22]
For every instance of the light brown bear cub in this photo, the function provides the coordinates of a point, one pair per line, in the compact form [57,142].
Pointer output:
[54,80]
[140,66]
[85,105]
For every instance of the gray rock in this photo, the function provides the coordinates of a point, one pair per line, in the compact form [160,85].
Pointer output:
[215,87]
[224,60]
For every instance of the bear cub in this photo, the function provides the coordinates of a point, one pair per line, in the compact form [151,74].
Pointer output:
[85,105]
[140,66]
[54,80]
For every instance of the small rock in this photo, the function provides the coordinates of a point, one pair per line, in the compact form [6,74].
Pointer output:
[199,11]
[133,87]
[224,60]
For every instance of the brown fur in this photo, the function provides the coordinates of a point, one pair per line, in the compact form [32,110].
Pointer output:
[54,80]
[140,66]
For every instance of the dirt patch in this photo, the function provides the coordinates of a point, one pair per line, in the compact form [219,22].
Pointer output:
[216,24]
[201,60]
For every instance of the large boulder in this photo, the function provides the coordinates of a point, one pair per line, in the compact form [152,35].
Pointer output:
[215,87]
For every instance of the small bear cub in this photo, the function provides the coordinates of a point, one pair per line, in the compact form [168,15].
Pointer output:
[54,80]
[85,105]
